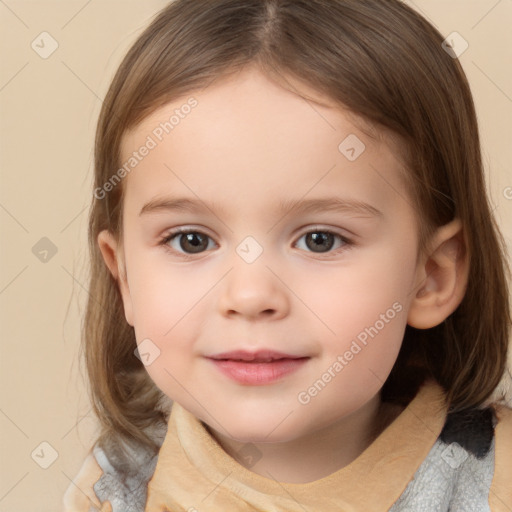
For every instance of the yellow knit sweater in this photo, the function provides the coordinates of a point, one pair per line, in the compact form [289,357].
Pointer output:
[194,474]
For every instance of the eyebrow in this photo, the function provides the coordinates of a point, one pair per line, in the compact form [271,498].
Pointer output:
[287,206]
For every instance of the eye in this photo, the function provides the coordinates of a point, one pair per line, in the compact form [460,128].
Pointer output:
[186,241]
[322,241]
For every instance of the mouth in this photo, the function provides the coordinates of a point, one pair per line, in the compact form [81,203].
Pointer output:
[257,369]
[261,356]
[259,360]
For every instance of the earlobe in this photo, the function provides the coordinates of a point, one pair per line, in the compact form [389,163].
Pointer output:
[442,277]
[112,257]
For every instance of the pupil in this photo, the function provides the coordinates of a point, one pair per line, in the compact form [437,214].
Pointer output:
[319,239]
[195,242]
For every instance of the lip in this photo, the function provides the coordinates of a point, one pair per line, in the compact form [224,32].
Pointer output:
[262,355]
[250,372]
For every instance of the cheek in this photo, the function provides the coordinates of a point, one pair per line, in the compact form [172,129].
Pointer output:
[162,294]
[361,313]
[347,300]
[168,304]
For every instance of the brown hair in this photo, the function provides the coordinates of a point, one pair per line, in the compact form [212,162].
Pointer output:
[383,62]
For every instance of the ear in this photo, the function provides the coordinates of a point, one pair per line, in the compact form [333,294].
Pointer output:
[112,255]
[442,275]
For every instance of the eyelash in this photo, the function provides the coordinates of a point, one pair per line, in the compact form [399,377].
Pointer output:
[347,243]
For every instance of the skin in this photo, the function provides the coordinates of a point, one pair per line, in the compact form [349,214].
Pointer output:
[248,145]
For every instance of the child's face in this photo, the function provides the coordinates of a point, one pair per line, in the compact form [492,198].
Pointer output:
[247,146]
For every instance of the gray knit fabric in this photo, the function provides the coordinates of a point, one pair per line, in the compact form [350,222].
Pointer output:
[450,479]
[125,477]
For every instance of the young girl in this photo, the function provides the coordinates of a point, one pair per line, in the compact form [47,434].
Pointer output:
[298,295]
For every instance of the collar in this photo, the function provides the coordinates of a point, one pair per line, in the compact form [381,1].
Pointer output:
[194,472]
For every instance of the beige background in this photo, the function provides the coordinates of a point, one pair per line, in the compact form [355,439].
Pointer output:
[49,109]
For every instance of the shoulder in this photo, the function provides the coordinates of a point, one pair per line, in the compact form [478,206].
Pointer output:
[126,473]
[468,469]
[500,497]
[80,495]
[488,476]
[483,442]
[114,477]
[109,480]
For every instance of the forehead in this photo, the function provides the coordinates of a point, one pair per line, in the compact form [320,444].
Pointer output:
[248,133]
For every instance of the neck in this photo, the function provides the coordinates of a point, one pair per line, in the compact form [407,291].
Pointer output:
[319,453]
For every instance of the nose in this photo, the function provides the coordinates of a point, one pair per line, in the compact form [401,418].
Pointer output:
[253,291]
